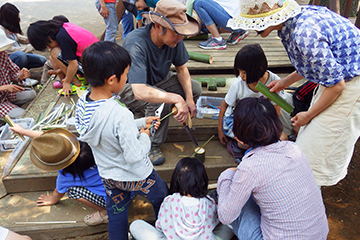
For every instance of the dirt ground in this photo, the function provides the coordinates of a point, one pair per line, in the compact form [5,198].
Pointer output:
[342,203]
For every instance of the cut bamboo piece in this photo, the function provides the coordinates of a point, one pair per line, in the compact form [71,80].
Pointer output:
[200,57]
[8,120]
[274,97]
[204,36]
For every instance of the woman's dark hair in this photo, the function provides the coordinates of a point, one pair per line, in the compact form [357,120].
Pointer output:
[9,18]
[102,60]
[256,122]
[251,59]
[60,18]
[83,162]
[41,33]
[189,177]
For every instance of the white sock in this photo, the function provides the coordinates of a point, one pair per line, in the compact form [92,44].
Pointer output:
[218,38]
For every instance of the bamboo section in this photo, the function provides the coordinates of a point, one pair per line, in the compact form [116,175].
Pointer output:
[200,57]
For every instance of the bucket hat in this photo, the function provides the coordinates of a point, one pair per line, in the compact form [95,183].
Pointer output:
[55,149]
[171,14]
[261,14]
[5,43]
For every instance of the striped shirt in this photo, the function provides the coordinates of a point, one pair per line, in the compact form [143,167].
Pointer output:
[281,181]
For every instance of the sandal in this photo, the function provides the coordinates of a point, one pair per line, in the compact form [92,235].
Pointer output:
[57,84]
[95,219]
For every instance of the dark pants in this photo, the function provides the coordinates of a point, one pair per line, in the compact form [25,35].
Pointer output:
[169,84]
[154,188]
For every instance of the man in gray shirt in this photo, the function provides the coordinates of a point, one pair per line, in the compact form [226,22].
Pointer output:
[153,49]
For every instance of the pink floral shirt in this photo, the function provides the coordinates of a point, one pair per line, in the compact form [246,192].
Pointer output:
[183,217]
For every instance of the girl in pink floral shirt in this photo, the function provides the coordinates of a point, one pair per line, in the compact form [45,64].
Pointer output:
[189,213]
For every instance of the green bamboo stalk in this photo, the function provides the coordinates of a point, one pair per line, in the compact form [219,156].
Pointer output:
[168,114]
[203,36]
[200,57]
[274,97]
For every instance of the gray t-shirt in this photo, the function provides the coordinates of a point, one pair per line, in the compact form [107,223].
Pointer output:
[150,64]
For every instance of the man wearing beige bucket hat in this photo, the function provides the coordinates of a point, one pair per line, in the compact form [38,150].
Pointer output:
[153,49]
[324,48]
[11,94]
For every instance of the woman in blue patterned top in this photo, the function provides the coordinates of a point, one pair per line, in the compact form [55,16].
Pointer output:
[324,48]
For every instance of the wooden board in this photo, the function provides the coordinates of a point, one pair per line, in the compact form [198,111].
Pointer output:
[224,59]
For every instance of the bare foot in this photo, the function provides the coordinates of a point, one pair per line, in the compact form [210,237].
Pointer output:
[56,72]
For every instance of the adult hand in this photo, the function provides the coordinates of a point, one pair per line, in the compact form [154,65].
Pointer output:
[222,137]
[66,89]
[150,119]
[46,200]
[145,131]
[182,112]
[12,88]
[192,108]
[300,119]
[104,12]
[277,85]
[24,73]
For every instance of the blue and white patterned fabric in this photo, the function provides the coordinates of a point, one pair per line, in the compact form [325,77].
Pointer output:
[323,46]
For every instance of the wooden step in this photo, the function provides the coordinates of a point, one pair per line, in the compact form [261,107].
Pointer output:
[19,213]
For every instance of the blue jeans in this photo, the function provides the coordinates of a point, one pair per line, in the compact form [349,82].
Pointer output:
[211,12]
[247,225]
[154,188]
[111,21]
[27,60]
[127,22]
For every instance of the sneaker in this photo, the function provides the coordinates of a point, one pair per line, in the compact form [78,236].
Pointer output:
[236,36]
[29,82]
[82,80]
[156,156]
[234,149]
[212,43]
[57,84]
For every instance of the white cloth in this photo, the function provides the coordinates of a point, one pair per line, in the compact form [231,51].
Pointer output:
[3,233]
[230,6]
[328,140]
[239,90]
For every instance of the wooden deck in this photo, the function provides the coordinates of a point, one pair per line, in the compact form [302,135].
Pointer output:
[224,59]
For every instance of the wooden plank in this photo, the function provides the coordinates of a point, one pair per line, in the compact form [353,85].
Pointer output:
[224,59]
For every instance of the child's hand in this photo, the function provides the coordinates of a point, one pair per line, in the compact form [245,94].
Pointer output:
[145,131]
[46,200]
[17,129]
[24,73]
[149,120]
[66,89]
[222,137]
[300,119]
[104,12]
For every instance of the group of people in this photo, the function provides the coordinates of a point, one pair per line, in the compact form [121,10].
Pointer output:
[273,193]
